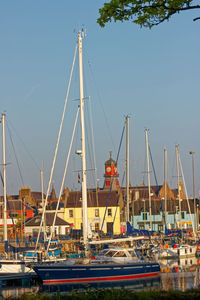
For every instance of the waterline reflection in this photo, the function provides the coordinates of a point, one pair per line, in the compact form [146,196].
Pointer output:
[180,274]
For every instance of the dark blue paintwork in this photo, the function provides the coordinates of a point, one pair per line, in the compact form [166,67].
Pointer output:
[103,275]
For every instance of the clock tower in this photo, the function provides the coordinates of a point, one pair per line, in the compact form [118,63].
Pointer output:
[111,175]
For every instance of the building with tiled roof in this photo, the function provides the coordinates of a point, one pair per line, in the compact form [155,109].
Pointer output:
[104,207]
[139,207]
[141,217]
[17,212]
[61,226]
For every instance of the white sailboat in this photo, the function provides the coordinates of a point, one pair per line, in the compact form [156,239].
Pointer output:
[68,275]
[15,265]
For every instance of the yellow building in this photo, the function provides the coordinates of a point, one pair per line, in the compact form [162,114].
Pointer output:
[97,211]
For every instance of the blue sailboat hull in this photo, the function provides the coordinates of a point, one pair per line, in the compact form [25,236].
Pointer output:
[104,275]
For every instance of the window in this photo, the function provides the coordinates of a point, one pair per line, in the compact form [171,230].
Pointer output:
[13,214]
[96,226]
[120,254]
[96,212]
[137,195]
[183,215]
[144,216]
[67,231]
[160,227]
[110,212]
[71,213]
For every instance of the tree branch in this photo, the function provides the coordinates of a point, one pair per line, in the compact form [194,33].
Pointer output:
[195,19]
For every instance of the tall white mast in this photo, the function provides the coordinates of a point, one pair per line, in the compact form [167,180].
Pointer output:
[83,156]
[4,181]
[194,197]
[178,184]
[127,166]
[165,183]
[148,172]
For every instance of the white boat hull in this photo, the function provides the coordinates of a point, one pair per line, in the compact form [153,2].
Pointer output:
[183,251]
[13,267]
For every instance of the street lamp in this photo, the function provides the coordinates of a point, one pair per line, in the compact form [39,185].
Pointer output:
[195,223]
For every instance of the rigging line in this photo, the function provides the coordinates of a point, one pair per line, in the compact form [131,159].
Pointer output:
[13,223]
[173,170]
[73,179]
[63,181]
[93,143]
[25,147]
[9,209]
[8,205]
[90,121]
[145,161]
[154,171]
[1,178]
[109,195]
[17,161]
[74,164]
[169,167]
[122,183]
[56,149]
[87,140]
[90,197]
[102,107]
[186,193]
[93,150]
[90,126]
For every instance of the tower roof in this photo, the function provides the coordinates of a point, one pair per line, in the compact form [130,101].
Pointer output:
[110,160]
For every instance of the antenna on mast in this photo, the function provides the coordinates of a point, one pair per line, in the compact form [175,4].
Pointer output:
[83,31]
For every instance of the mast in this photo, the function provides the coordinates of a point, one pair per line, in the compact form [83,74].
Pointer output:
[165,183]
[83,155]
[43,206]
[127,166]
[178,184]
[148,172]
[194,197]
[4,185]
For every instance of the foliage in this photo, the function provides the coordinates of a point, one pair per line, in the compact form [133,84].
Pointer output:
[117,294]
[146,13]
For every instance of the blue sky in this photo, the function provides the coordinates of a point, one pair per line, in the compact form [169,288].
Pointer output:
[153,75]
